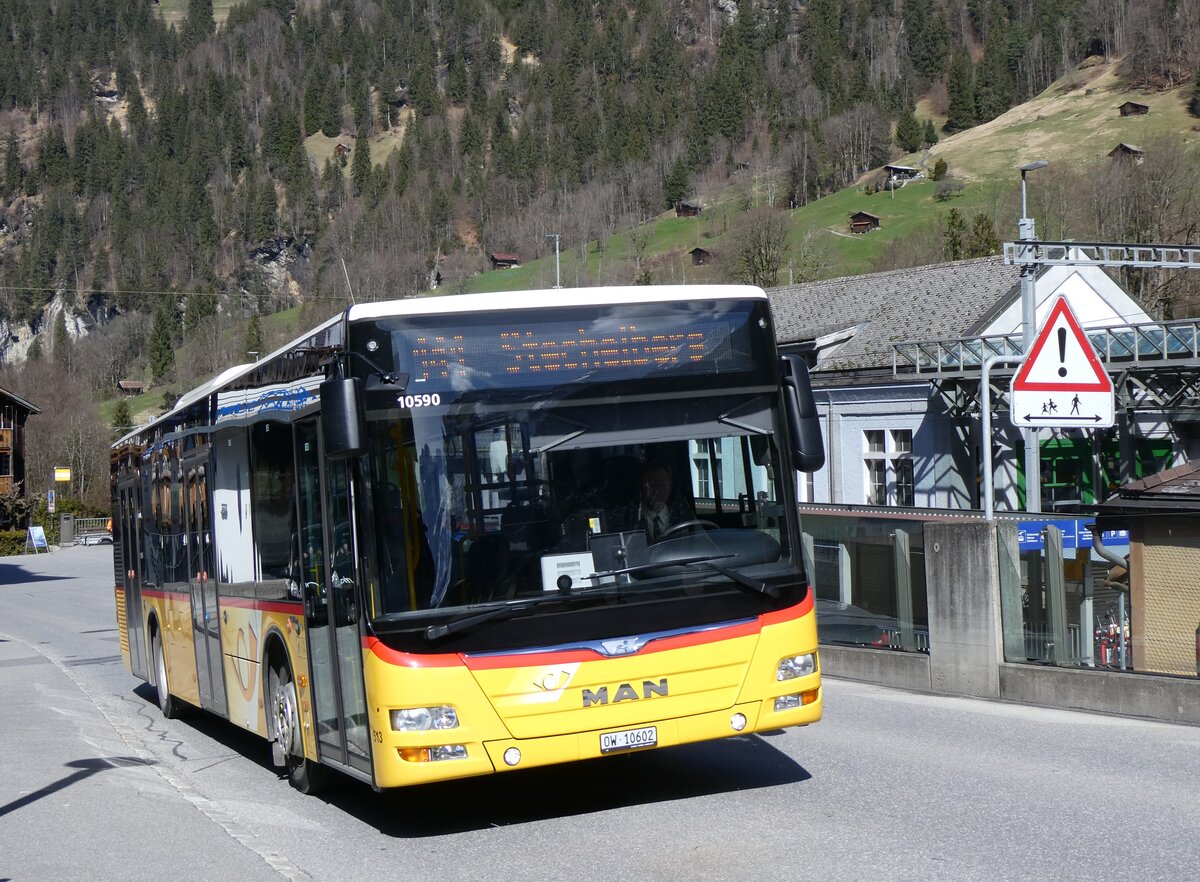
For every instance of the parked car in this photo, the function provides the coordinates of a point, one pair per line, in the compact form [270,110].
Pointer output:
[839,622]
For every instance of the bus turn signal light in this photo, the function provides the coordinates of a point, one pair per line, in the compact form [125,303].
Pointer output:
[432,754]
[789,702]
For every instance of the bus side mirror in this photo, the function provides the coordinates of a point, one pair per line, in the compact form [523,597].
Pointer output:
[342,417]
[808,453]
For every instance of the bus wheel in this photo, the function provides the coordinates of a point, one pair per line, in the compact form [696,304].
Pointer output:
[303,774]
[166,701]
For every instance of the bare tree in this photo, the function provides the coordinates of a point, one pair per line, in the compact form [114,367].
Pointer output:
[760,247]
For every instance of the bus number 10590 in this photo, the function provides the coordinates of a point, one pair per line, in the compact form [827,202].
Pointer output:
[425,400]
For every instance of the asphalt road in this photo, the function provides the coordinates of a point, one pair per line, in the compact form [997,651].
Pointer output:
[94,784]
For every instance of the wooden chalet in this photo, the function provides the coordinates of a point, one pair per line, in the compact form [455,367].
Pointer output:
[1127,153]
[129,388]
[863,222]
[341,151]
[504,260]
[14,410]
[901,172]
[687,209]
[1133,108]
[701,256]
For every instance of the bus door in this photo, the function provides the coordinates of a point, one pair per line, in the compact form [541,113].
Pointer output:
[129,511]
[331,603]
[202,583]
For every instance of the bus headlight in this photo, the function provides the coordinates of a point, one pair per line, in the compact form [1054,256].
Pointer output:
[796,666]
[423,719]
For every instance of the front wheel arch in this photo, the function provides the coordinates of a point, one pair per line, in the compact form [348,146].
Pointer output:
[281,699]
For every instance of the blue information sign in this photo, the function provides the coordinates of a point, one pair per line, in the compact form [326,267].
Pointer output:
[1075,534]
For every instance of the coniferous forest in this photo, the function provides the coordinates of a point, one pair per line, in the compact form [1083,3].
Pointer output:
[168,181]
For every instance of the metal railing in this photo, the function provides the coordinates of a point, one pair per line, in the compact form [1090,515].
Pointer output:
[85,527]
[1151,344]
[1114,254]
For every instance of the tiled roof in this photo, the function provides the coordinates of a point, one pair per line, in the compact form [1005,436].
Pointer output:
[19,401]
[1175,490]
[936,302]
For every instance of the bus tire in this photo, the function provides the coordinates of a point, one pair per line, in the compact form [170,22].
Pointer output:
[305,775]
[167,703]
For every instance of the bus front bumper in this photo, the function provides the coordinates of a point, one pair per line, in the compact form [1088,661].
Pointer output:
[510,754]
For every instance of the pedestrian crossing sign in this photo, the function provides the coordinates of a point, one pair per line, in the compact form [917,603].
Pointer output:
[1061,383]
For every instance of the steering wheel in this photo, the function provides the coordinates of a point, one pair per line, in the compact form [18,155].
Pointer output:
[688,525]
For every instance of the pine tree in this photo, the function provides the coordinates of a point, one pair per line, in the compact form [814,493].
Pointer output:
[160,348]
[940,169]
[198,24]
[122,420]
[360,165]
[676,185]
[53,160]
[252,344]
[983,242]
[927,39]
[961,90]
[12,165]
[954,235]
[930,136]
[266,210]
[993,79]
[331,109]
[196,310]
[908,132]
[61,341]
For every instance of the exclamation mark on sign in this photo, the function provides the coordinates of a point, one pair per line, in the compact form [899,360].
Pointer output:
[1062,351]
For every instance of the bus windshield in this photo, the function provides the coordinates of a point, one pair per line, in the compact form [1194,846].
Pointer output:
[493,480]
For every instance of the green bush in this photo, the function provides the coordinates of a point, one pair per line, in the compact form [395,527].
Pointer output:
[12,542]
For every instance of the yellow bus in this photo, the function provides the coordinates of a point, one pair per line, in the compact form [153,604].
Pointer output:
[453,536]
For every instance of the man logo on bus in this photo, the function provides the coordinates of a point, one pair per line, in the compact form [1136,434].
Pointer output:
[624,692]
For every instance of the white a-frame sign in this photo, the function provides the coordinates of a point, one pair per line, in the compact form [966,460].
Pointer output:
[1061,383]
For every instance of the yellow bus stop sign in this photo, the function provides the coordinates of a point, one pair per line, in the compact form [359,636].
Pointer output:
[62,474]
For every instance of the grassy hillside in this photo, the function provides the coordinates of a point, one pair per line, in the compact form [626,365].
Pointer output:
[1075,121]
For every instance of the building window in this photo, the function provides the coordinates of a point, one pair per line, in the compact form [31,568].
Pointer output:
[887,457]
[6,465]
[703,481]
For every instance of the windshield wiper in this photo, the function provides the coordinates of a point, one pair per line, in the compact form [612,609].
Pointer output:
[708,560]
[437,632]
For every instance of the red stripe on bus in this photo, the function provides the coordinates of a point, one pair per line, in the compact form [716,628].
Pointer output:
[409,659]
[799,611]
[280,606]
[568,656]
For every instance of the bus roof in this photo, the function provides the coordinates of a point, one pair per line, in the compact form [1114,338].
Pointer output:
[457,303]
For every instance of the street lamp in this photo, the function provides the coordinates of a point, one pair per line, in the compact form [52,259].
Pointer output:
[1027,233]
[557,277]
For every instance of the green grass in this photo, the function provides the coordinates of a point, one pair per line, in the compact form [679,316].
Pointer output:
[148,404]
[174,11]
[1074,122]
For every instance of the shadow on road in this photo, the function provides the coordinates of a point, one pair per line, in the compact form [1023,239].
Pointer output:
[745,762]
[741,763]
[14,574]
[84,768]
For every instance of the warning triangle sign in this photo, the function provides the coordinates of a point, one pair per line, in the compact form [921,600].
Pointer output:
[1061,358]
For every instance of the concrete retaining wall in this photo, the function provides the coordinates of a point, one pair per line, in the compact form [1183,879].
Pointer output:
[966,654]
